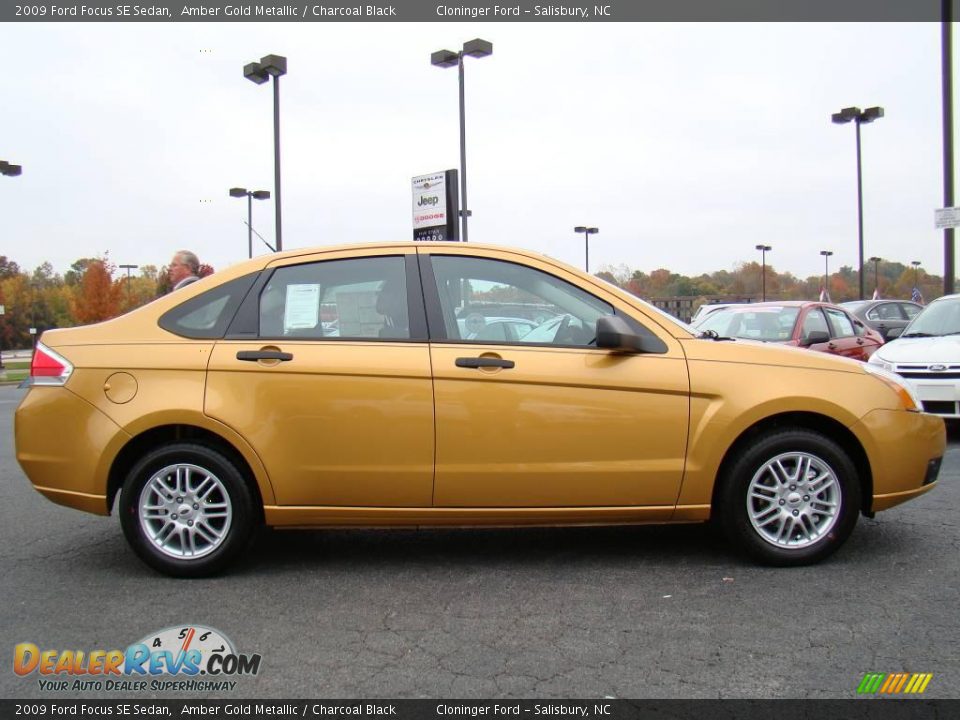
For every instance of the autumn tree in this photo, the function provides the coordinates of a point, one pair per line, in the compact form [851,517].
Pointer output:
[98,297]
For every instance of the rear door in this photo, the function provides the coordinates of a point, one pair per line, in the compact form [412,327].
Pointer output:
[326,372]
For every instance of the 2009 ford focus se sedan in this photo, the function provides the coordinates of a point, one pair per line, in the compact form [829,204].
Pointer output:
[337,387]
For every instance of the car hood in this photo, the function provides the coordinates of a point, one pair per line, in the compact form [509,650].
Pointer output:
[929,350]
[767,353]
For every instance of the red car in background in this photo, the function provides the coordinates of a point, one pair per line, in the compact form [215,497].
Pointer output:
[815,325]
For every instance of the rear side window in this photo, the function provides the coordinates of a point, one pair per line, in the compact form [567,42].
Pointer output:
[360,298]
[207,316]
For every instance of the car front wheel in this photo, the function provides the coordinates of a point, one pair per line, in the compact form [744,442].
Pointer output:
[791,498]
[186,510]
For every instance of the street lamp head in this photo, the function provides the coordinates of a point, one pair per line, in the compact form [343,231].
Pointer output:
[255,72]
[764,248]
[238,192]
[478,48]
[444,58]
[826,253]
[846,115]
[915,263]
[875,259]
[275,65]
[580,228]
[9,170]
[261,194]
[871,114]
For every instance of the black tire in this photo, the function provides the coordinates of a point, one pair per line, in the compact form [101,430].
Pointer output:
[221,521]
[784,523]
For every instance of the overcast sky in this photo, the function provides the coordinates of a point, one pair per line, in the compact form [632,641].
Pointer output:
[686,144]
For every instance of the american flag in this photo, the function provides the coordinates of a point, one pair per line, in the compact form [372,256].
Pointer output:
[916,296]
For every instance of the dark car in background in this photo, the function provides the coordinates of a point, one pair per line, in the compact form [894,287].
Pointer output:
[883,315]
[814,325]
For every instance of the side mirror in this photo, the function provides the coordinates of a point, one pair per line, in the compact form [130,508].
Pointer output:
[815,338]
[894,333]
[613,333]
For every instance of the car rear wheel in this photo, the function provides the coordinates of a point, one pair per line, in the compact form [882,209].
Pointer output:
[791,498]
[186,510]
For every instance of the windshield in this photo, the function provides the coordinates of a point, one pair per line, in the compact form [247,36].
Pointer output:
[769,324]
[941,317]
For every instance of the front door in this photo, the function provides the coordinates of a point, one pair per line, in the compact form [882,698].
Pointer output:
[545,418]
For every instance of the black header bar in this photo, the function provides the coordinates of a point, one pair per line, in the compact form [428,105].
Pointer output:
[506,11]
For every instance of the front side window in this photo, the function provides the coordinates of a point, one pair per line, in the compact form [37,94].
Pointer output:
[814,321]
[842,327]
[910,311]
[493,300]
[356,298]
[886,311]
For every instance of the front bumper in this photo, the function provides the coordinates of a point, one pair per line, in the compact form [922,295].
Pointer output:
[904,451]
[938,390]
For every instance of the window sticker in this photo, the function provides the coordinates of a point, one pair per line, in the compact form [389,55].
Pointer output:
[302,309]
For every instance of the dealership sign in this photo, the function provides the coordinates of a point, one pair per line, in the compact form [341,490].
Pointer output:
[435,206]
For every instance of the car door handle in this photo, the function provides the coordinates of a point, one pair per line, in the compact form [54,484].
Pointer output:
[832,346]
[254,355]
[484,362]
[859,341]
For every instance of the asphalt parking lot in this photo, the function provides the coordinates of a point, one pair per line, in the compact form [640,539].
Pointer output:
[640,612]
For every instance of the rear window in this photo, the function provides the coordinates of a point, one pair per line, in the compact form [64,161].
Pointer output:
[208,315]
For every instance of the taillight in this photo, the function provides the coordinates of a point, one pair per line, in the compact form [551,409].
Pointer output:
[49,367]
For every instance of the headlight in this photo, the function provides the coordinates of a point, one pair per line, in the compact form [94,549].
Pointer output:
[901,387]
[877,361]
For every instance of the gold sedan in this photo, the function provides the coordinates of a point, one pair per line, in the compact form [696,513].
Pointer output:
[340,387]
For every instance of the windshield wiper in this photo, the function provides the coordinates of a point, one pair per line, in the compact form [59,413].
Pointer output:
[713,335]
[921,334]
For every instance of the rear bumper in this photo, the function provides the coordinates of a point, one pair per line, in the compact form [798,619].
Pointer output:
[65,446]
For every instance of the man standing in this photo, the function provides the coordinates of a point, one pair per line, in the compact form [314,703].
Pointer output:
[184,269]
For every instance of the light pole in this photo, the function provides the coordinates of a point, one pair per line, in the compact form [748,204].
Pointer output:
[238,192]
[447,58]
[826,270]
[876,275]
[859,117]
[916,273]
[271,66]
[7,170]
[764,249]
[587,232]
[128,268]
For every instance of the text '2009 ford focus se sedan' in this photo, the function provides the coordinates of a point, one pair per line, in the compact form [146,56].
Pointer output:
[337,387]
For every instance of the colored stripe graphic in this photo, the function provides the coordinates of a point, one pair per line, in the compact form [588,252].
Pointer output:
[870,683]
[894,683]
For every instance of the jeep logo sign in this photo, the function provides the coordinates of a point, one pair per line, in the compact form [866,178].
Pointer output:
[435,207]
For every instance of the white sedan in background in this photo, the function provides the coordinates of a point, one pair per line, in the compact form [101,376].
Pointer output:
[927,353]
